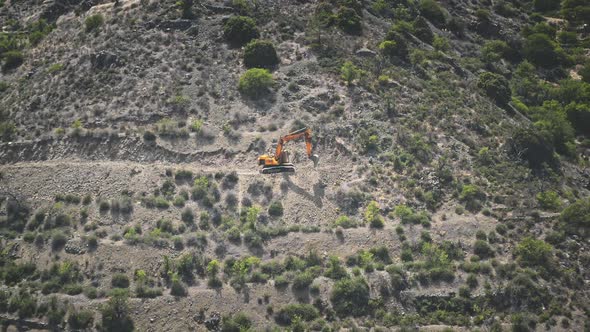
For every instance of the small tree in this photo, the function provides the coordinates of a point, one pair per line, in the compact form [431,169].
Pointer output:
[260,54]
[542,51]
[533,146]
[549,200]
[546,5]
[494,50]
[187,8]
[239,30]
[576,218]
[275,209]
[422,30]
[349,20]
[585,72]
[80,320]
[350,297]
[255,82]
[115,313]
[433,11]
[349,72]
[532,252]
[372,215]
[496,87]
[120,280]
[93,22]
[12,59]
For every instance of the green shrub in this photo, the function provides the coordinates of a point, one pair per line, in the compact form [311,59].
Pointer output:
[585,72]
[302,280]
[546,5]
[345,222]
[143,291]
[373,216]
[236,323]
[58,240]
[281,282]
[187,216]
[540,50]
[496,87]
[233,234]
[401,45]
[422,30]
[432,11]
[335,270]
[286,314]
[569,39]
[349,20]
[494,50]
[186,7]
[483,249]
[255,82]
[522,292]
[120,280]
[275,209]
[578,115]
[349,72]
[260,54]
[7,131]
[392,48]
[12,59]
[24,304]
[575,219]
[350,297]
[115,313]
[239,30]
[80,320]
[534,253]
[94,22]
[177,288]
[471,281]
[483,15]
[534,146]
[149,136]
[549,200]
[551,119]
[575,11]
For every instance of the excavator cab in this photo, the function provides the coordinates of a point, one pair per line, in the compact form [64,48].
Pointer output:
[280,162]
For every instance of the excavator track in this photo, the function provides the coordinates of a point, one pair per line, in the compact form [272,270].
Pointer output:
[285,168]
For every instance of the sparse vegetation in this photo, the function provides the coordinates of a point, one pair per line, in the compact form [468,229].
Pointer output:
[452,189]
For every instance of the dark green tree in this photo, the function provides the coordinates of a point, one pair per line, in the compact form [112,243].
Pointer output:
[115,313]
[260,54]
[239,30]
[350,297]
[496,87]
[542,51]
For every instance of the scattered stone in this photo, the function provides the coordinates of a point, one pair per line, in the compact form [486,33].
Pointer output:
[212,323]
[366,52]
[74,247]
[105,60]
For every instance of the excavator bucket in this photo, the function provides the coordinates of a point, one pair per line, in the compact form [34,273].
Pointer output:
[316,159]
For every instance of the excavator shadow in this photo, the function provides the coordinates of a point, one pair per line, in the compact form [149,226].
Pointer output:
[318,191]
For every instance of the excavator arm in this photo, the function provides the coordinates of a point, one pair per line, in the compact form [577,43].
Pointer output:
[293,136]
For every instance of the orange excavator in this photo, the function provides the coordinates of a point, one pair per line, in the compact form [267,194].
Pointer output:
[279,162]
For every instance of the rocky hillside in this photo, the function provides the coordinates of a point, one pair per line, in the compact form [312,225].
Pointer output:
[452,193]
